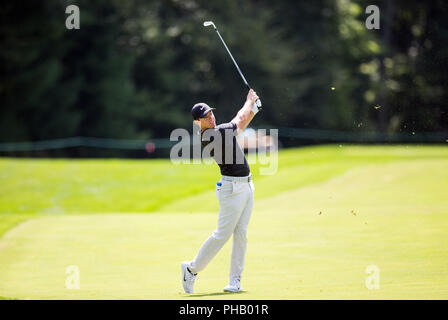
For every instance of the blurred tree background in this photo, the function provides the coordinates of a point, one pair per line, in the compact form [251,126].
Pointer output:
[135,68]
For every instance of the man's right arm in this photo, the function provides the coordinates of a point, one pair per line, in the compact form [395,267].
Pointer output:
[245,115]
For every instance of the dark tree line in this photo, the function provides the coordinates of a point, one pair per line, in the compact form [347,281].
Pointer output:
[134,68]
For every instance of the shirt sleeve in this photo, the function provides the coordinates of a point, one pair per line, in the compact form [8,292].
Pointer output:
[226,126]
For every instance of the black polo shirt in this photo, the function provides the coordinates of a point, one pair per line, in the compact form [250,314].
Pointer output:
[235,163]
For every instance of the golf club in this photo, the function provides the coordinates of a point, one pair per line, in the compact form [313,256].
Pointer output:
[210,23]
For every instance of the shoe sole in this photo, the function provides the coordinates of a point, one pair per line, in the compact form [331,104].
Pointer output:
[229,290]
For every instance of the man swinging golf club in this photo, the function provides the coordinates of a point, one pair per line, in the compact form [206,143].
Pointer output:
[235,192]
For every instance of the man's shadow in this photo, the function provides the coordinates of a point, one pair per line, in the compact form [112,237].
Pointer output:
[213,294]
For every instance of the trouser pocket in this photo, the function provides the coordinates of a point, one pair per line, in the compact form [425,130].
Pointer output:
[224,187]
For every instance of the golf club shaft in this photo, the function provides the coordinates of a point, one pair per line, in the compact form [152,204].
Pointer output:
[210,23]
[230,54]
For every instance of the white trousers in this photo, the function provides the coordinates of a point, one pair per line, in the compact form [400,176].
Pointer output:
[236,199]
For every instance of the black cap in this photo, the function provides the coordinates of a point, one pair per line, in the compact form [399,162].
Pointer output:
[200,110]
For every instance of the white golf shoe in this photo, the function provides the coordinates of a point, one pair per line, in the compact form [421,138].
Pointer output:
[234,286]
[188,278]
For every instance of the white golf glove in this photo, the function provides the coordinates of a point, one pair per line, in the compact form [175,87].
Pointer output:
[256,106]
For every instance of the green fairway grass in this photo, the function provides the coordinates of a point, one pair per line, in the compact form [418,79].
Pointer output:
[328,214]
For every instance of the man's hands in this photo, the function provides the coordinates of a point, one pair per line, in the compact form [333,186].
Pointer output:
[252,96]
[255,101]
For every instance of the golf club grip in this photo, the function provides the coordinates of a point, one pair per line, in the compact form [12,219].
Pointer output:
[258,102]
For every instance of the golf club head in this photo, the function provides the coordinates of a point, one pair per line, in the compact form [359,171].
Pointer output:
[209,23]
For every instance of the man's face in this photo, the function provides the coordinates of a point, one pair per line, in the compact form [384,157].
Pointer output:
[209,121]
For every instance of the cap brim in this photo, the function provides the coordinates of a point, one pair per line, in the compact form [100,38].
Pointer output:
[205,113]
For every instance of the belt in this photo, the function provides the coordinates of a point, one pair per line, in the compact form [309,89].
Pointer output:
[239,179]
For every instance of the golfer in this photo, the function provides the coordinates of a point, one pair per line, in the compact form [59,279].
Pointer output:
[235,192]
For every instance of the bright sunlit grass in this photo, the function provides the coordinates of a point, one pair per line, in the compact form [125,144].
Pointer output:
[327,214]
